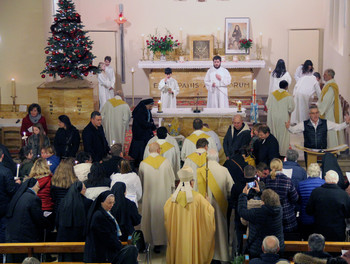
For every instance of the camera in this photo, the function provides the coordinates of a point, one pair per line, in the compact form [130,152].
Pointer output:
[251,184]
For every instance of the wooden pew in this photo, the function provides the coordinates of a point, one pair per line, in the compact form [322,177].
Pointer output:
[301,246]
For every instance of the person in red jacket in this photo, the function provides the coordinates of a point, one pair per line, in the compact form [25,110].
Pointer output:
[34,116]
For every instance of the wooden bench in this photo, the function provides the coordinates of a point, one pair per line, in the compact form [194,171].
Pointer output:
[302,246]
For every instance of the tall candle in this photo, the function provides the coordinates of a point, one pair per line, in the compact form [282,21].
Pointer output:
[17,173]
[13,87]
[132,70]
[180,36]
[143,40]
[239,106]
[254,91]
[218,35]
[260,39]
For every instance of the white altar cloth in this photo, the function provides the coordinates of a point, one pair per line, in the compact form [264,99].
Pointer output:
[187,112]
[10,122]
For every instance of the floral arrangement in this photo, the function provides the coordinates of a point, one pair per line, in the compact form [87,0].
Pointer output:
[161,44]
[245,44]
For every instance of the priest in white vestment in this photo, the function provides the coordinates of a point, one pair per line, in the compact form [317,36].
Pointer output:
[189,145]
[219,189]
[280,105]
[197,159]
[216,81]
[116,115]
[303,90]
[169,89]
[158,181]
[105,86]
[329,106]
[168,148]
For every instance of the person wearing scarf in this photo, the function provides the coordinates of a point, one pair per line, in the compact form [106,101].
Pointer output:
[142,129]
[71,218]
[102,239]
[26,221]
[190,224]
[33,117]
[124,211]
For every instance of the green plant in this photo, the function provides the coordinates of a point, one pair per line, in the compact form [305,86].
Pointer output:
[161,44]
[238,260]
[135,237]
[245,43]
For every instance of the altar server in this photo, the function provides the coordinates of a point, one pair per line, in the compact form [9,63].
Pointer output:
[158,180]
[169,89]
[279,74]
[189,145]
[216,81]
[219,188]
[303,70]
[168,148]
[116,115]
[109,70]
[105,88]
[187,210]
[303,90]
[280,105]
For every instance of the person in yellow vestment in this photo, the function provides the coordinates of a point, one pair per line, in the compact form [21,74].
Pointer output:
[116,115]
[330,108]
[158,180]
[169,148]
[189,223]
[219,189]
[189,145]
[197,159]
[280,105]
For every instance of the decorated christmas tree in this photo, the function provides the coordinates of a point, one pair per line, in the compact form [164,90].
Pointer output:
[69,49]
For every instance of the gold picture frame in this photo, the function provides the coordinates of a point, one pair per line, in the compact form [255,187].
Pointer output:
[201,47]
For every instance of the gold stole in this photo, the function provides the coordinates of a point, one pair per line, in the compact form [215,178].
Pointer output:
[336,99]
[198,158]
[165,147]
[214,187]
[194,138]
[155,162]
[116,102]
[279,96]
[205,129]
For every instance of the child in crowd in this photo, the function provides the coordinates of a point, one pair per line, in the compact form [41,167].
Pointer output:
[48,153]
[26,156]
[255,136]
[38,140]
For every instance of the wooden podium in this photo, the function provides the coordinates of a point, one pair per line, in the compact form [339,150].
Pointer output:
[312,154]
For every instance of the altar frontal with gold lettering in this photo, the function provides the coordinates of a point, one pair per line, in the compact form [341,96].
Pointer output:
[191,82]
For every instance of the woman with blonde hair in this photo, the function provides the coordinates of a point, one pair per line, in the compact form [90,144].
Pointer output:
[131,180]
[61,181]
[284,187]
[41,172]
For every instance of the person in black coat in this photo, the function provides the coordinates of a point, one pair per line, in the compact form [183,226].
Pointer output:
[71,219]
[125,211]
[7,160]
[330,205]
[94,138]
[236,139]
[264,221]
[102,241]
[67,138]
[112,165]
[142,129]
[266,148]
[8,187]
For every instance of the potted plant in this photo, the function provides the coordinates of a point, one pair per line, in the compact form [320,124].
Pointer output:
[161,44]
[245,44]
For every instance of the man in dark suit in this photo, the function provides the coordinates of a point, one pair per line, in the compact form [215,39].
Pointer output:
[94,138]
[266,148]
[113,164]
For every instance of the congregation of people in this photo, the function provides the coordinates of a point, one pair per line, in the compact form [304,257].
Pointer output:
[186,201]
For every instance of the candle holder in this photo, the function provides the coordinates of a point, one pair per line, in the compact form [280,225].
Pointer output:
[148,53]
[13,103]
[132,89]
[160,110]
[259,52]
[143,54]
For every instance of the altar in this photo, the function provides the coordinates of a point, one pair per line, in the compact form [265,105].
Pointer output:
[218,119]
[190,76]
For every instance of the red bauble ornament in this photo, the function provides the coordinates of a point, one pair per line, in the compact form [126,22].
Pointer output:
[48,43]
[47,64]
[65,10]
[86,73]
[58,39]
[46,51]
[50,74]
[63,37]
[61,11]
[61,75]
[52,46]
[76,14]
[65,54]
[56,18]
[43,76]
[50,60]
[79,56]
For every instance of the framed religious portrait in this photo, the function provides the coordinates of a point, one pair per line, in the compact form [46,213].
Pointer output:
[201,47]
[236,28]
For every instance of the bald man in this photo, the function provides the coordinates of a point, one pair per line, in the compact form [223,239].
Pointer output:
[270,247]
[237,136]
[158,180]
